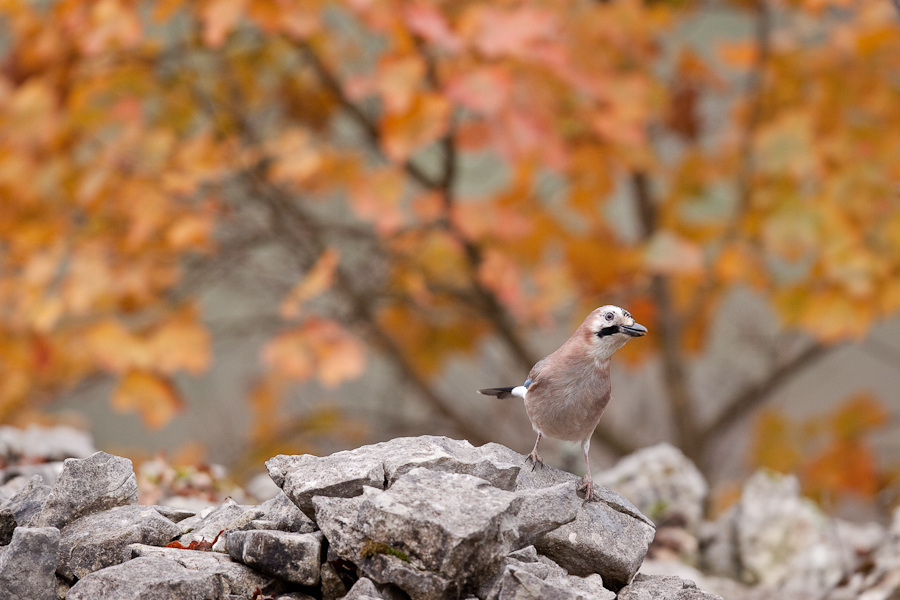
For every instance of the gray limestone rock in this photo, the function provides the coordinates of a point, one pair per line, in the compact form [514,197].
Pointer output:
[439,453]
[545,509]
[100,540]
[333,586]
[174,513]
[147,577]
[342,475]
[663,483]
[217,520]
[284,515]
[458,527]
[338,520]
[232,577]
[600,540]
[293,557]
[526,574]
[88,485]
[520,584]
[776,537]
[609,535]
[660,587]
[27,566]
[28,501]
[366,589]
[420,584]
[48,443]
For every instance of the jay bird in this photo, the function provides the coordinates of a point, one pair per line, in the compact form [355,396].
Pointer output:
[566,392]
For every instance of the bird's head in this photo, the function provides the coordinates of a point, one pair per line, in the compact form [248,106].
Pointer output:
[608,328]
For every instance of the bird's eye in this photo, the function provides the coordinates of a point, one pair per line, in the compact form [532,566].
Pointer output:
[609,316]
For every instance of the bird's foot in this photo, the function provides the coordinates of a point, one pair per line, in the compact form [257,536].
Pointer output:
[587,486]
[535,459]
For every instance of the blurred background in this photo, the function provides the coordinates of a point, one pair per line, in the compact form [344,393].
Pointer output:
[236,228]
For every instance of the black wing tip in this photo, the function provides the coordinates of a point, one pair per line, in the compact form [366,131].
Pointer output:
[498,392]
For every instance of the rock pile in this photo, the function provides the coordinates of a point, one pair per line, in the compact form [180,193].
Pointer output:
[421,518]
[773,543]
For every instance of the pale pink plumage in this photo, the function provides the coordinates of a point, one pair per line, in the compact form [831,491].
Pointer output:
[568,390]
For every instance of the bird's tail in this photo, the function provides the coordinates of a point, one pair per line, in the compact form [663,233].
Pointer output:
[503,392]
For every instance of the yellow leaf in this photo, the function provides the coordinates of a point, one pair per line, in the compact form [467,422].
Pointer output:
[190,232]
[151,396]
[219,17]
[831,317]
[317,280]
[846,465]
[320,348]
[775,445]
[397,81]
[181,343]
[113,347]
[741,54]
[377,197]
[296,158]
[858,416]
[425,121]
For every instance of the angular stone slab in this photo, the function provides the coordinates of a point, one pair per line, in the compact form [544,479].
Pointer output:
[219,519]
[293,557]
[146,577]
[28,501]
[363,589]
[100,540]
[27,566]
[88,485]
[525,574]
[278,513]
[342,475]
[232,577]
[420,584]
[520,584]
[659,587]
[600,540]
[439,453]
[366,589]
[338,520]
[457,526]
[546,509]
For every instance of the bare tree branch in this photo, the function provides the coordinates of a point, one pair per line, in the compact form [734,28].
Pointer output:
[681,401]
[493,309]
[755,91]
[751,398]
[362,120]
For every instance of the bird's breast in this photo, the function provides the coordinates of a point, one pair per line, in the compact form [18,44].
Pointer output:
[568,409]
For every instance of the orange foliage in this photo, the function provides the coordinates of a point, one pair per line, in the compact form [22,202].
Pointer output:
[831,454]
[139,147]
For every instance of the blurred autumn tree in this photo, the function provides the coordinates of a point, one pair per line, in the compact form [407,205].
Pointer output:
[416,177]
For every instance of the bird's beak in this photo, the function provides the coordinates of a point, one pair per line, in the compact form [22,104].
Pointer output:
[636,330]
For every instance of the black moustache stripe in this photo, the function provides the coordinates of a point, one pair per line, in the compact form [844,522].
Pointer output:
[608,331]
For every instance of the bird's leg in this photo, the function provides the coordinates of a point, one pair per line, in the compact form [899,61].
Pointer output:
[587,484]
[534,457]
